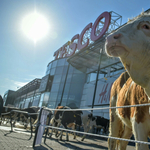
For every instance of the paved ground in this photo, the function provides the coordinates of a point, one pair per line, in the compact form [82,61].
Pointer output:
[20,140]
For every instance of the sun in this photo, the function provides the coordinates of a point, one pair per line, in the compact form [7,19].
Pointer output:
[35,26]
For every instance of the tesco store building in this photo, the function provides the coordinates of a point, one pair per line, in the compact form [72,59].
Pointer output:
[80,76]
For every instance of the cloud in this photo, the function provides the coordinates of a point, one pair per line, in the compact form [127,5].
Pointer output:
[20,84]
[16,84]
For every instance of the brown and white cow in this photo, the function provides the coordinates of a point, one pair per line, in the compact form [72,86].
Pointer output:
[131,43]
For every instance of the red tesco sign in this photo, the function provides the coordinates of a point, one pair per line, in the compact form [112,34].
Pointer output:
[62,52]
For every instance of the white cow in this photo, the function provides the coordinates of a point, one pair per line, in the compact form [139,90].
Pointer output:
[131,43]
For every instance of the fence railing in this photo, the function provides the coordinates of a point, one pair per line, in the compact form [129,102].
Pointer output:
[21,112]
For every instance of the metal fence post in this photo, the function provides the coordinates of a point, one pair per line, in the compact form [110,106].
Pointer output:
[50,114]
[98,70]
[11,122]
[37,127]
[30,125]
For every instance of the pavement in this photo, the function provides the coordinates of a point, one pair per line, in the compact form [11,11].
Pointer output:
[20,139]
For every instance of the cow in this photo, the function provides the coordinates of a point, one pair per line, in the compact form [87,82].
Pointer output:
[89,121]
[131,43]
[25,117]
[68,119]
[6,112]
[116,126]
[100,122]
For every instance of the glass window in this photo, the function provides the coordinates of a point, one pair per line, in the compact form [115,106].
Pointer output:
[73,104]
[52,71]
[65,98]
[69,78]
[59,70]
[45,103]
[41,100]
[70,69]
[57,78]
[93,77]
[61,86]
[54,63]
[66,63]
[63,77]
[61,62]
[53,96]
[67,87]
[49,67]
[78,78]
[88,78]
[65,70]
[71,97]
[59,96]
[55,87]
[100,76]
[77,71]
[58,102]
[48,71]
[27,103]
[51,104]
[46,96]
[35,102]
[63,103]
[76,91]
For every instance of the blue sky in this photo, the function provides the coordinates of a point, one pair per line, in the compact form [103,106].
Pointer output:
[21,60]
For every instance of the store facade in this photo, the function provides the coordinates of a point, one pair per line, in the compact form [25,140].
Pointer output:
[81,75]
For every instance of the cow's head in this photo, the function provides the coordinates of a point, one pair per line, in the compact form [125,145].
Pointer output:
[131,43]
[90,116]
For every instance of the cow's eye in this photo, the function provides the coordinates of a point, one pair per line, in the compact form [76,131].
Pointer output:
[145,26]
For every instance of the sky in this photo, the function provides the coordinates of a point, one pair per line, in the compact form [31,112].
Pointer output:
[21,59]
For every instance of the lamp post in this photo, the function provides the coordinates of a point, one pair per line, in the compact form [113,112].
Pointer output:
[98,70]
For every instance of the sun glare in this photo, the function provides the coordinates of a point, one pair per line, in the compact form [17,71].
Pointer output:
[35,26]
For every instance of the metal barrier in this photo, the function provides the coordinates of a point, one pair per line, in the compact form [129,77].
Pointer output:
[40,128]
[41,125]
[97,135]
[23,112]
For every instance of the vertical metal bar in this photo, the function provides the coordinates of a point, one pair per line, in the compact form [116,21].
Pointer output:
[98,70]
[11,122]
[37,127]
[64,84]
[30,125]
[50,114]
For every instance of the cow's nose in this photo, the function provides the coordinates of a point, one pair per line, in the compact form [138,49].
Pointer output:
[113,37]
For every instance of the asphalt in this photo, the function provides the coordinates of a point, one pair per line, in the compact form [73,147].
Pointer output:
[20,139]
